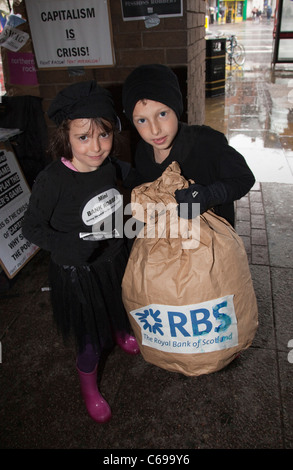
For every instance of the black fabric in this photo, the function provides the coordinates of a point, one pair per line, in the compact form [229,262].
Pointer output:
[154,82]
[122,168]
[87,302]
[205,157]
[26,113]
[54,218]
[82,100]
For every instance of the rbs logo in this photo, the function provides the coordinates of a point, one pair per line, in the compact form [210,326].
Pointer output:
[201,324]
[203,327]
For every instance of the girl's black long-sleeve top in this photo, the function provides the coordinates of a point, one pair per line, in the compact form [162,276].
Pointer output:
[65,203]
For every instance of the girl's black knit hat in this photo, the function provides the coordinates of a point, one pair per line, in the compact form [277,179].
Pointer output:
[154,82]
[82,100]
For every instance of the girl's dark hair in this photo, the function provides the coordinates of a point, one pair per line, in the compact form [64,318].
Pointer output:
[59,145]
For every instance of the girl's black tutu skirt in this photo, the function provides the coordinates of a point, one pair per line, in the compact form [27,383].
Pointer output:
[87,302]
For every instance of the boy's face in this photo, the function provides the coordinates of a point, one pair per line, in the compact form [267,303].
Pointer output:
[157,124]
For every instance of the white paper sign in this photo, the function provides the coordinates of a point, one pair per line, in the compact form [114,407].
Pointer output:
[70,33]
[13,38]
[189,329]
[15,250]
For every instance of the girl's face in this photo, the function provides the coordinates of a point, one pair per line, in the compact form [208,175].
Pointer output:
[157,124]
[90,144]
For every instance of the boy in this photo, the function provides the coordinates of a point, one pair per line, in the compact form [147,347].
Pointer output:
[152,101]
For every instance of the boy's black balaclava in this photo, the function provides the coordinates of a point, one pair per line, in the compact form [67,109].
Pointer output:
[82,100]
[154,82]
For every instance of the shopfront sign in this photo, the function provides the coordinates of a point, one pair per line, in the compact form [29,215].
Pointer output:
[283,32]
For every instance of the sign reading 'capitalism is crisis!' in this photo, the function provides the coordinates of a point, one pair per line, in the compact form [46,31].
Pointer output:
[70,33]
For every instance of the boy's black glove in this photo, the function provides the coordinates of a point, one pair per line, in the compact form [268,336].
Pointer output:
[205,196]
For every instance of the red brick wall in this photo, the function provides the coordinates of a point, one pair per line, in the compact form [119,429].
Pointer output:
[196,53]
[177,42]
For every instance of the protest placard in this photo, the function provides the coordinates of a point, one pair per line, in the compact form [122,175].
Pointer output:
[15,250]
[68,34]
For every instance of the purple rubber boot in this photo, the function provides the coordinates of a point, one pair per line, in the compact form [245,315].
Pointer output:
[96,405]
[127,342]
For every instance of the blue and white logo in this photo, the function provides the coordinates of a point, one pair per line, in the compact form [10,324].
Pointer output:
[151,321]
[198,328]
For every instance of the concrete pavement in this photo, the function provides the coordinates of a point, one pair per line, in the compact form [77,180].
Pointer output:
[247,405]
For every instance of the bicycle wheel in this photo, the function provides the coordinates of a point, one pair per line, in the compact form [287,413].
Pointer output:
[231,43]
[239,54]
[229,55]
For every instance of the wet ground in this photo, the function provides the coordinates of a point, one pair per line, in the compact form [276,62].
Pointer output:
[247,405]
[256,113]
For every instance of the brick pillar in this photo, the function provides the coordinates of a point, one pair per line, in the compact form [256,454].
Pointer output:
[196,60]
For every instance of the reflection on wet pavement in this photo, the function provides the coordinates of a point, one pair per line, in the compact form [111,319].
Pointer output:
[256,112]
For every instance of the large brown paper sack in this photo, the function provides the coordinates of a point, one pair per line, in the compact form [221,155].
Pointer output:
[191,303]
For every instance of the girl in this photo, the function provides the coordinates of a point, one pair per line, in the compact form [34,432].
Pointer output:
[71,211]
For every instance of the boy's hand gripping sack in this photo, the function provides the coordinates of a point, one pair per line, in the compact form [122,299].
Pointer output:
[187,287]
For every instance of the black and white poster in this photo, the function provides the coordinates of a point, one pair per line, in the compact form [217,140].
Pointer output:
[15,250]
[70,33]
[141,9]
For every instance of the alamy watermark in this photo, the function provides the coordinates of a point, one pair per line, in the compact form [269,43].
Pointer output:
[151,220]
